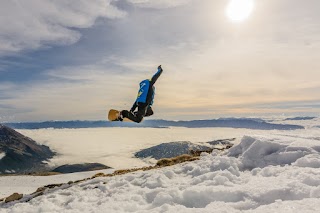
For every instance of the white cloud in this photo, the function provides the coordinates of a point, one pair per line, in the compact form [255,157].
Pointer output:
[28,25]
[159,4]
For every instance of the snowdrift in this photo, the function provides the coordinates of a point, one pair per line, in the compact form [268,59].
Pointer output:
[261,174]
[260,152]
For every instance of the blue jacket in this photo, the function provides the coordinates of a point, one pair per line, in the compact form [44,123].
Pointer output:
[147,90]
[143,91]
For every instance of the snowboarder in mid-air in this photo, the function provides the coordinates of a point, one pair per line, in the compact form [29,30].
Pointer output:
[144,100]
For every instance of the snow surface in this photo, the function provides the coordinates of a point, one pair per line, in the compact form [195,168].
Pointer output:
[263,173]
[27,184]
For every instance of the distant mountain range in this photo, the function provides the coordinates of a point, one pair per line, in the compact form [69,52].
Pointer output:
[19,153]
[300,118]
[221,122]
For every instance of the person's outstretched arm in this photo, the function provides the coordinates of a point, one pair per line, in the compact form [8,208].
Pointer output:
[156,76]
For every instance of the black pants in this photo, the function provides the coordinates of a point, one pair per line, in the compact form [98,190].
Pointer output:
[144,110]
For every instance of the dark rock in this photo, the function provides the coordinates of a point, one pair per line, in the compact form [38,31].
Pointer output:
[80,167]
[169,150]
[50,186]
[22,154]
[13,197]
[40,189]
[222,142]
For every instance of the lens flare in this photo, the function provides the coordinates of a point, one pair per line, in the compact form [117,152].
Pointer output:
[239,10]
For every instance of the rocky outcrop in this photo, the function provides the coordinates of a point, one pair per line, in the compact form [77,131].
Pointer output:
[21,154]
[174,149]
[80,167]
[169,150]
[13,197]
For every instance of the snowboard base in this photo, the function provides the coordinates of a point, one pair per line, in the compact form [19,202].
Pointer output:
[114,114]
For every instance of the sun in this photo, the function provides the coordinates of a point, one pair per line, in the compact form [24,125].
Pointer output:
[239,10]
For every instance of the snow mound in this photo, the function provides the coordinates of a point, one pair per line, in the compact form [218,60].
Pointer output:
[309,161]
[261,152]
[260,174]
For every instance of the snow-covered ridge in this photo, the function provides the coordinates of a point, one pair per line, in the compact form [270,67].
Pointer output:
[261,174]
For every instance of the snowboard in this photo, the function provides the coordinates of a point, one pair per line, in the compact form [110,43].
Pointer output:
[114,114]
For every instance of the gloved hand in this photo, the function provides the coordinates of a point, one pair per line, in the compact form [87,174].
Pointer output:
[159,68]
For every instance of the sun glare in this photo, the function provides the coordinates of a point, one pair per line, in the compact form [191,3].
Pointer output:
[239,10]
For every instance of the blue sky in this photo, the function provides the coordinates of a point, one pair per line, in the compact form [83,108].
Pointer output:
[74,60]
